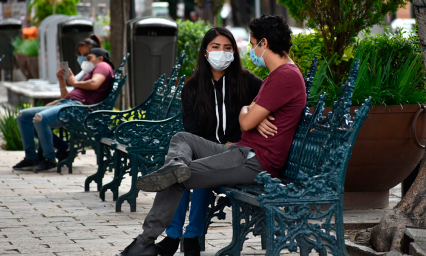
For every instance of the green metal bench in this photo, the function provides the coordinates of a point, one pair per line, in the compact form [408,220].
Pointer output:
[304,208]
[141,147]
[102,124]
[73,117]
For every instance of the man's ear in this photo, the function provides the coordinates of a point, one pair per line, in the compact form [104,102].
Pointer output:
[101,58]
[265,42]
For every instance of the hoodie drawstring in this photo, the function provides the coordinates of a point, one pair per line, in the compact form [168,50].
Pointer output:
[217,110]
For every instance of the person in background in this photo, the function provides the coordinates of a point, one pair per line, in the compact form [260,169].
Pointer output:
[211,103]
[83,49]
[94,88]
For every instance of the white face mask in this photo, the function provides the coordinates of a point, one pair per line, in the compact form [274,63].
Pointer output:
[220,60]
[87,66]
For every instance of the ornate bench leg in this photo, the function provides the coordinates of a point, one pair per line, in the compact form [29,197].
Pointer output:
[130,196]
[341,250]
[73,153]
[254,221]
[121,165]
[105,159]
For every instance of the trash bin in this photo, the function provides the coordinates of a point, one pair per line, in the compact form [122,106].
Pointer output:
[70,33]
[9,29]
[152,44]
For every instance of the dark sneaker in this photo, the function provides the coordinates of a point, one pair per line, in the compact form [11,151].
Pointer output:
[138,249]
[61,155]
[46,165]
[173,172]
[26,164]
[40,155]
[192,246]
[168,246]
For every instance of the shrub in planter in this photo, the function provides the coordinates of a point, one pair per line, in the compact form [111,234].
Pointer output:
[9,128]
[392,71]
[26,55]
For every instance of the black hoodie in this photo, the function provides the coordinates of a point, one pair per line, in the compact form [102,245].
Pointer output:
[233,131]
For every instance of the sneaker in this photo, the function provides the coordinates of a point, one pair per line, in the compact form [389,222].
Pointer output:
[168,246]
[61,155]
[191,246]
[138,249]
[40,155]
[173,172]
[26,164]
[46,165]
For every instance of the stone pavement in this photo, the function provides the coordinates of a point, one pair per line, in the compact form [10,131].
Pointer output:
[48,213]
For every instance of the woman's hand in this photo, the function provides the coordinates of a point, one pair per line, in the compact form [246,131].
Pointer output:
[266,128]
[60,75]
[71,79]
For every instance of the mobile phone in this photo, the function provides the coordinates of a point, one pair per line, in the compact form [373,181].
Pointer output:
[65,68]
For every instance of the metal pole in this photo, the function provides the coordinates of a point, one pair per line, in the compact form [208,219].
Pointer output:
[132,10]
[257,8]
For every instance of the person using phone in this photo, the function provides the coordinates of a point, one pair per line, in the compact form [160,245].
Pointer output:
[94,88]
[83,48]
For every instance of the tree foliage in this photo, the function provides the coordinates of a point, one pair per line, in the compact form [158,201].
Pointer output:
[190,36]
[339,21]
[44,8]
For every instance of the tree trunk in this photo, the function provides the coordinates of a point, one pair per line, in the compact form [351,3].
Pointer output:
[410,211]
[120,12]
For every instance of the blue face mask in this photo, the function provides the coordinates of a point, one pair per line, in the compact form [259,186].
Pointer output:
[258,61]
[80,59]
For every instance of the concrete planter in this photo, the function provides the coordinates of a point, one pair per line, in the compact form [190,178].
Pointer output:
[28,65]
[384,154]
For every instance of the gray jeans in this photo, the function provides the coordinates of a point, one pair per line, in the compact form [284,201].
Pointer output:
[211,165]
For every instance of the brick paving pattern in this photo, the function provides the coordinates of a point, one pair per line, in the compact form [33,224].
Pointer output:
[47,213]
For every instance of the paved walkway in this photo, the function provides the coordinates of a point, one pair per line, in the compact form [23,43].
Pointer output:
[48,213]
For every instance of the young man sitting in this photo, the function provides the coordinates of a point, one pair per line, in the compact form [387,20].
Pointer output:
[193,162]
[92,89]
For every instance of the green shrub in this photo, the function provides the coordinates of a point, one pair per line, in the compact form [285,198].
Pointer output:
[26,47]
[9,128]
[189,39]
[392,70]
[44,8]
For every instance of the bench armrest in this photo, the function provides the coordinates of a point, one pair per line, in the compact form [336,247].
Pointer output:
[104,122]
[73,116]
[149,135]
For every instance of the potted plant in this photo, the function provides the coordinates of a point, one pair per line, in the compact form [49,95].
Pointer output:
[26,55]
[392,73]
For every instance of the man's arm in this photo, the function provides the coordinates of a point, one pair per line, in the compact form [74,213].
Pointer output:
[251,116]
[91,84]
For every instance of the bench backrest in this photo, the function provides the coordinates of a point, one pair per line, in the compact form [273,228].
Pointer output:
[109,102]
[322,144]
[175,105]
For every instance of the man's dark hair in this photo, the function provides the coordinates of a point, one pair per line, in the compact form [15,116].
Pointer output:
[275,29]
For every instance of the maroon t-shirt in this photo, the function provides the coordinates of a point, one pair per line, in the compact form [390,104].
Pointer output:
[88,97]
[283,93]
